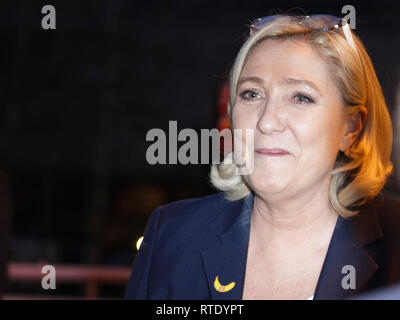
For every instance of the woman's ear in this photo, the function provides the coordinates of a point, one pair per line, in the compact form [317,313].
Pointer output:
[354,126]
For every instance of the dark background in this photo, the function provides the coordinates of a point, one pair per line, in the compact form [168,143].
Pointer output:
[77,102]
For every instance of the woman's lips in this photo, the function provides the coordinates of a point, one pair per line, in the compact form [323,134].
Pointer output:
[272,152]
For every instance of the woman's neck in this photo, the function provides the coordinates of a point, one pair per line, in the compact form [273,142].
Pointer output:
[291,222]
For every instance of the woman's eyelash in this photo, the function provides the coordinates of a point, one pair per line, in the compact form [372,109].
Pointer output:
[302,98]
[245,95]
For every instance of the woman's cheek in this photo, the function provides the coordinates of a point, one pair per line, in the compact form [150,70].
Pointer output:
[243,132]
[243,118]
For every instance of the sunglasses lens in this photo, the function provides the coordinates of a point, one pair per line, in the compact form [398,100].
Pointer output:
[259,23]
[321,22]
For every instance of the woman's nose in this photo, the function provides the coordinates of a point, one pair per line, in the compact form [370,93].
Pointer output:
[270,119]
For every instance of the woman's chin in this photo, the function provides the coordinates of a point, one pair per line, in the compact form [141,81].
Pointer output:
[267,186]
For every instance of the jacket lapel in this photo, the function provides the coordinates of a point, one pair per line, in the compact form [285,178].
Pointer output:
[226,258]
[349,247]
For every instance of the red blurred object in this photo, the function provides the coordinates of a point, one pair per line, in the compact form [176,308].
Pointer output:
[223,121]
[223,98]
[90,275]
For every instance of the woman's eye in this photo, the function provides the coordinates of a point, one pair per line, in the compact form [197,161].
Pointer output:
[303,99]
[249,95]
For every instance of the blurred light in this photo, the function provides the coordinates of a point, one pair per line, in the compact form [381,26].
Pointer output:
[139,242]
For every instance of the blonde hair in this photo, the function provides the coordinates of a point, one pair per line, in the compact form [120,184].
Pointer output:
[359,173]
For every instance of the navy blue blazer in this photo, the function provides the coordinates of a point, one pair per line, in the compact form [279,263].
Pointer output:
[188,243]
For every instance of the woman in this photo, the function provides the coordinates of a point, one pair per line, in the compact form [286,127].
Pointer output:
[309,220]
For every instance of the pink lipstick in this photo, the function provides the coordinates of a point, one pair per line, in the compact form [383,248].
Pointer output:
[272,152]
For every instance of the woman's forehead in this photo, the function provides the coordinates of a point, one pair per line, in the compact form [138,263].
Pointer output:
[286,59]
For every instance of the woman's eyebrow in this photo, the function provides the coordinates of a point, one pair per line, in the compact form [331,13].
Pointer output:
[292,81]
[287,81]
[250,79]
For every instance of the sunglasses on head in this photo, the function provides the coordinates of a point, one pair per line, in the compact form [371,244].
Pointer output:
[317,22]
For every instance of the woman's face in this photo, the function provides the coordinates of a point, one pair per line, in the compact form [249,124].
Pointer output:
[286,95]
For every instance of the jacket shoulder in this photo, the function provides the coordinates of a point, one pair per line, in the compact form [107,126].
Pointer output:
[185,226]
[197,210]
[388,209]
[388,204]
